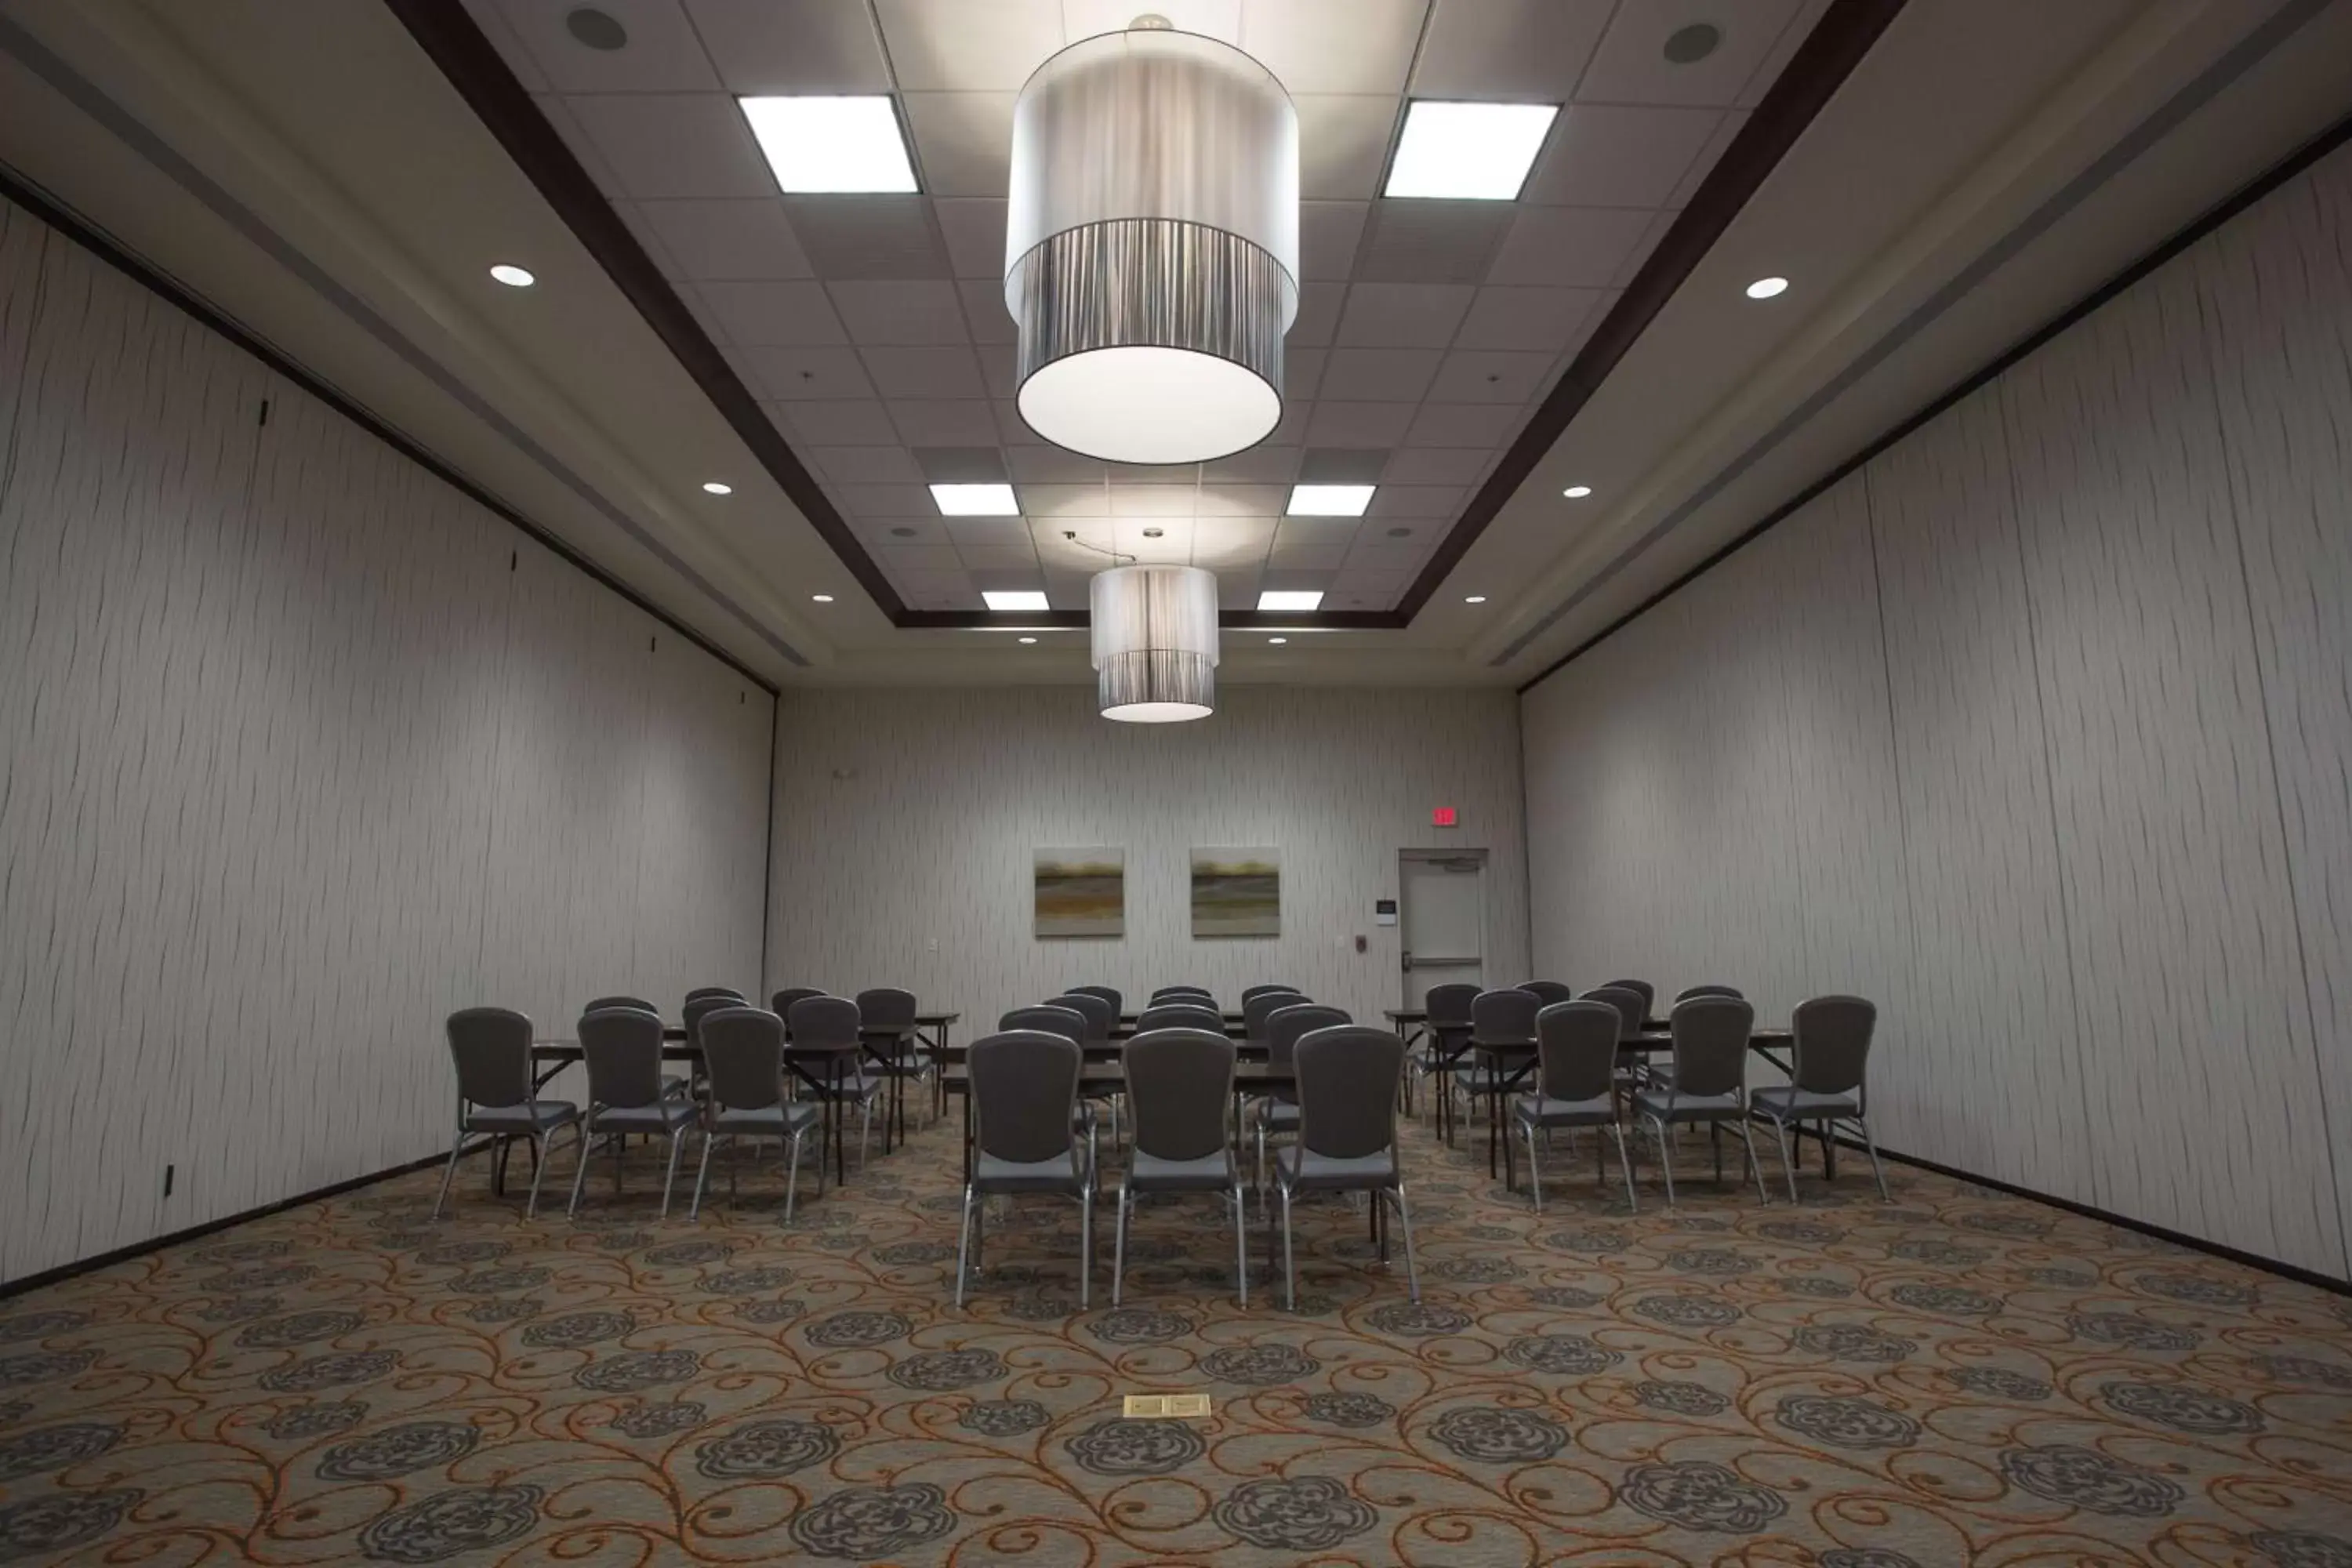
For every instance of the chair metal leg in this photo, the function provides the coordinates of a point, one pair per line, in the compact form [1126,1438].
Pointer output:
[1241,1246]
[1625,1162]
[449,1173]
[538,1170]
[580,1176]
[620,1144]
[1665,1157]
[864,1130]
[1870,1145]
[963,1243]
[702,1175]
[1086,1245]
[1119,1245]
[793,1172]
[1405,1224]
[1290,1264]
[1755,1166]
[1535,1171]
[669,1176]
[1781,1132]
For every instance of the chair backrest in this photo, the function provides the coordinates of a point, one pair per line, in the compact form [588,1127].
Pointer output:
[701,991]
[743,1056]
[606,1004]
[886,1005]
[1505,1018]
[491,1049]
[1106,993]
[1632,1010]
[1024,1092]
[781,1004]
[1250,991]
[1257,1009]
[1346,1090]
[1098,1014]
[1687,992]
[1548,991]
[1179,1083]
[827,1021]
[1577,1042]
[1285,1026]
[1180,1016]
[1711,1045]
[1832,1043]
[1066,1022]
[622,1046]
[1170,993]
[1641,988]
[1449,1005]
[697,1008]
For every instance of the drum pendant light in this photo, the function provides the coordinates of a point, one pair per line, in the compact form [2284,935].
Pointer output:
[1155,643]
[1152,246]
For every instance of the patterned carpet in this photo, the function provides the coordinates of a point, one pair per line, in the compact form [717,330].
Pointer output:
[1953,1378]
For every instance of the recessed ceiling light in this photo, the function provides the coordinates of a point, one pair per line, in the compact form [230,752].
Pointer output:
[718,487]
[1577,492]
[1399,533]
[1277,642]
[975,501]
[1474,599]
[822,598]
[1028,639]
[1014,599]
[1766,287]
[1688,45]
[595,29]
[1155,533]
[1330,500]
[832,144]
[511,276]
[1473,151]
[1290,599]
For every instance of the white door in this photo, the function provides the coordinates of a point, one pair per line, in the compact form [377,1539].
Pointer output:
[1443,919]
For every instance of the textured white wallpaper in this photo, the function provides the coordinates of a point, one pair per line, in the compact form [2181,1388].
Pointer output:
[905,819]
[291,764]
[2037,730]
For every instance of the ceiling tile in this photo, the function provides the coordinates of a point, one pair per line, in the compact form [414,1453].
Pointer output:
[937,422]
[1223,541]
[864,464]
[1651,234]
[1439,465]
[1358,424]
[884,500]
[662,54]
[1342,465]
[1417,500]
[1152,500]
[896,531]
[1383,376]
[1404,315]
[727,239]
[765,315]
[1290,430]
[1568,248]
[1318,312]
[916,561]
[1334,46]
[963,464]
[925,373]
[1020,560]
[509,43]
[1220,19]
[1014,430]
[1463,425]
[1168,540]
[1725,133]
[1307,557]
[1154,473]
[1240,500]
[945,45]
[1776,59]
[1618,156]
[1294,578]
[964,141]
[1529,319]
[1044,464]
[674,144]
[1316,532]
[1631,64]
[1432,241]
[868,236]
[1302,372]
[1055,502]
[984,313]
[1512,51]
[1261,464]
[1425,531]
[846,423]
[647,240]
[989,533]
[1490,375]
[796,375]
[582,146]
[1384,558]
[974,227]
[763,47]
[1342,144]
[1237,584]
[1328,232]
[902,312]
[996,372]
[710,325]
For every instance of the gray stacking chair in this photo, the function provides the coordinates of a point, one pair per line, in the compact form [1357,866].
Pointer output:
[1346,1133]
[1687,992]
[1177,992]
[1251,991]
[1066,1022]
[1709,1084]
[743,1058]
[823,1025]
[490,1047]
[1101,1019]
[1505,1018]
[1641,988]
[1576,1086]
[781,1004]
[606,1003]
[889,1006]
[1632,1012]
[1106,993]
[699,992]
[1833,1049]
[1180,1016]
[1548,991]
[1024,1097]
[1179,1082]
[1265,1006]
[1448,1007]
[1278,1111]
[627,1092]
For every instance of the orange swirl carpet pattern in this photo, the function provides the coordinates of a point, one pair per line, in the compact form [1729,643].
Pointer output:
[1955,1377]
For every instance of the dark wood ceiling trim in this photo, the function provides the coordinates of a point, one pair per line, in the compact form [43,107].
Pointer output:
[1837,43]
[447,34]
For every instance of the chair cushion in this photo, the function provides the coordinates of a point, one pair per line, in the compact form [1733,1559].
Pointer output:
[1483,1079]
[769,1120]
[1592,1113]
[1781,1102]
[1688,1107]
[1209,1173]
[1303,1170]
[1057,1173]
[661,1118]
[536,1118]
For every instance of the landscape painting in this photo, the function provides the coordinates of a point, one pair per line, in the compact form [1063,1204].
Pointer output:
[1081,892]
[1236,892]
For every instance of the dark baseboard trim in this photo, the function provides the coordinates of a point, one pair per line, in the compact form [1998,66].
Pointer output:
[65,1271]
[2255,1260]
[16,188]
[2205,223]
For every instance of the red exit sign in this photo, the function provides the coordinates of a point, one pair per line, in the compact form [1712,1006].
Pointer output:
[1444,816]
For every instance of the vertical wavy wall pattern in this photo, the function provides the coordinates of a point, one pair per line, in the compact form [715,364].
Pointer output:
[2038,728]
[292,763]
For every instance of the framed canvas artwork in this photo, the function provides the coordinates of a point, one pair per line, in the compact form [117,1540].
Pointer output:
[1081,892]
[1236,892]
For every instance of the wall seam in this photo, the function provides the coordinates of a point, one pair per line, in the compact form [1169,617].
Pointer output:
[1894,737]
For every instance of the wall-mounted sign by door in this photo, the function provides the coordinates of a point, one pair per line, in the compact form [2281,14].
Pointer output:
[1444,816]
[1384,911]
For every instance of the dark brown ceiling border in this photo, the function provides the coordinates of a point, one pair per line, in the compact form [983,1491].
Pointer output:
[454,44]
[1820,66]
